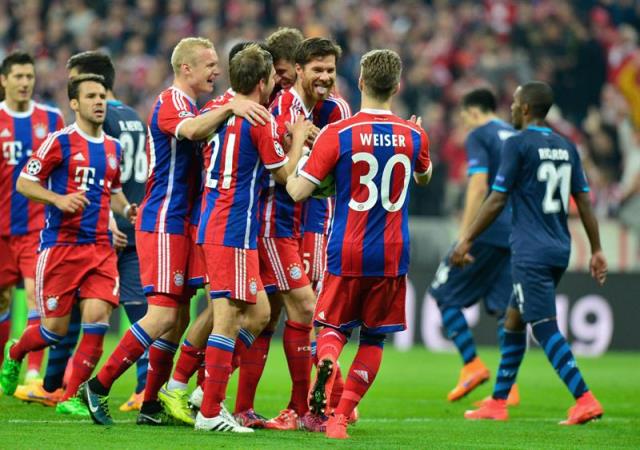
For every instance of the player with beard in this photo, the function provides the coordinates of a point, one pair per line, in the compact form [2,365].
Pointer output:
[281,230]
[77,262]
[163,231]
[24,124]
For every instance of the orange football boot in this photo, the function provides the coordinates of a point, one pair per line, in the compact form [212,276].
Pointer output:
[512,400]
[337,427]
[587,408]
[472,375]
[492,409]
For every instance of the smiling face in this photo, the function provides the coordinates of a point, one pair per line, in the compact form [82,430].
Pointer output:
[91,104]
[285,73]
[203,71]
[317,78]
[18,84]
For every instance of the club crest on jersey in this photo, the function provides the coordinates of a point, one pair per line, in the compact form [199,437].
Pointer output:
[113,162]
[34,167]
[253,286]
[279,149]
[295,272]
[40,130]
[52,302]
[178,278]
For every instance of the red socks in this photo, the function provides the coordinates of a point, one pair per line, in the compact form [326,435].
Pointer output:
[5,331]
[34,359]
[218,370]
[161,355]
[251,368]
[33,338]
[297,348]
[86,356]
[191,358]
[330,345]
[361,375]
[129,349]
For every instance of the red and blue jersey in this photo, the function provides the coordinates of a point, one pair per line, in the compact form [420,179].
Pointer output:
[20,134]
[174,165]
[318,212]
[280,216]
[236,158]
[372,156]
[71,161]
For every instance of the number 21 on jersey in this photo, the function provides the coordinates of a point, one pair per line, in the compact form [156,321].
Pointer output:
[556,178]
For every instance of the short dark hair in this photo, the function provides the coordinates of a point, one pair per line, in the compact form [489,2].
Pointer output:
[312,48]
[244,44]
[481,98]
[94,62]
[248,67]
[73,85]
[539,96]
[283,43]
[15,57]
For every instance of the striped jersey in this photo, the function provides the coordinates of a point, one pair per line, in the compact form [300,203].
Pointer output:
[71,161]
[236,158]
[21,133]
[173,182]
[280,216]
[372,156]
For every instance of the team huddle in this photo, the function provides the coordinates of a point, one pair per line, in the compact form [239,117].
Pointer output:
[271,196]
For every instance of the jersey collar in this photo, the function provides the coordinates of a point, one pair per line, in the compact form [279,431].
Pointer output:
[540,129]
[307,114]
[193,102]
[376,112]
[17,114]
[95,140]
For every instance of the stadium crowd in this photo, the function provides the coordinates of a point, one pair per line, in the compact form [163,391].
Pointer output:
[587,50]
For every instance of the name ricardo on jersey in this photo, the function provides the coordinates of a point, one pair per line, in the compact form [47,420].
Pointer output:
[555,154]
[382,140]
[131,125]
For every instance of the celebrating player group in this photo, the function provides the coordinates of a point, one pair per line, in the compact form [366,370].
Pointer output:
[274,199]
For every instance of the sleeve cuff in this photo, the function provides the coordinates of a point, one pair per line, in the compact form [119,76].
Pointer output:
[309,177]
[278,164]
[475,170]
[495,187]
[116,190]
[177,133]
[30,177]
[425,173]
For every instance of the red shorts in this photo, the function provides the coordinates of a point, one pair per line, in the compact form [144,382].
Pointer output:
[18,255]
[235,272]
[165,262]
[197,266]
[376,303]
[67,272]
[281,267]
[314,255]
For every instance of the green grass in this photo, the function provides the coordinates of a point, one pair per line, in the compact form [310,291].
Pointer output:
[405,408]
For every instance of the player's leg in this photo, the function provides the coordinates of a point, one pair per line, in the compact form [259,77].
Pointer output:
[5,317]
[133,300]
[95,314]
[227,319]
[34,359]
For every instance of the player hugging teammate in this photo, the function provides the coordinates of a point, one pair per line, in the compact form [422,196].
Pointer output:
[228,207]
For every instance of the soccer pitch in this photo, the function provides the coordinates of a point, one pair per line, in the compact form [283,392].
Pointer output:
[405,408]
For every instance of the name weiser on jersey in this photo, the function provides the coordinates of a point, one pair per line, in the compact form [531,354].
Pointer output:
[382,140]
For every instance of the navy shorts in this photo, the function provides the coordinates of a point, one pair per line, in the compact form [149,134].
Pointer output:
[129,270]
[534,291]
[488,278]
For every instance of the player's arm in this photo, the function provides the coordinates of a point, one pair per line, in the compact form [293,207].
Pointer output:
[198,128]
[424,168]
[33,190]
[477,189]
[598,263]
[120,205]
[299,131]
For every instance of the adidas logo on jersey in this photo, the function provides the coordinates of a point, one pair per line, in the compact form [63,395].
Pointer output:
[78,157]
[322,316]
[5,133]
[363,374]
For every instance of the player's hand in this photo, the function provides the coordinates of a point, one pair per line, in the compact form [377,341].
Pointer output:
[301,127]
[72,203]
[416,119]
[460,255]
[313,134]
[132,213]
[118,238]
[253,112]
[598,267]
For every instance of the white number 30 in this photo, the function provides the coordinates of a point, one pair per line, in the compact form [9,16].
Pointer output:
[385,183]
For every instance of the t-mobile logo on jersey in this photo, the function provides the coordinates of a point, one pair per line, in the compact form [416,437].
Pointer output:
[12,152]
[84,176]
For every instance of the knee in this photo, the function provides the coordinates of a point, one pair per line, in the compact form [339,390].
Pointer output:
[5,300]
[369,338]
[513,321]
[56,325]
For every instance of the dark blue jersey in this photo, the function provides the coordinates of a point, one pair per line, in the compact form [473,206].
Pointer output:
[540,169]
[483,146]
[123,123]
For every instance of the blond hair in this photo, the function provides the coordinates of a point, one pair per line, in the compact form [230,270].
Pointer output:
[184,52]
[380,72]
